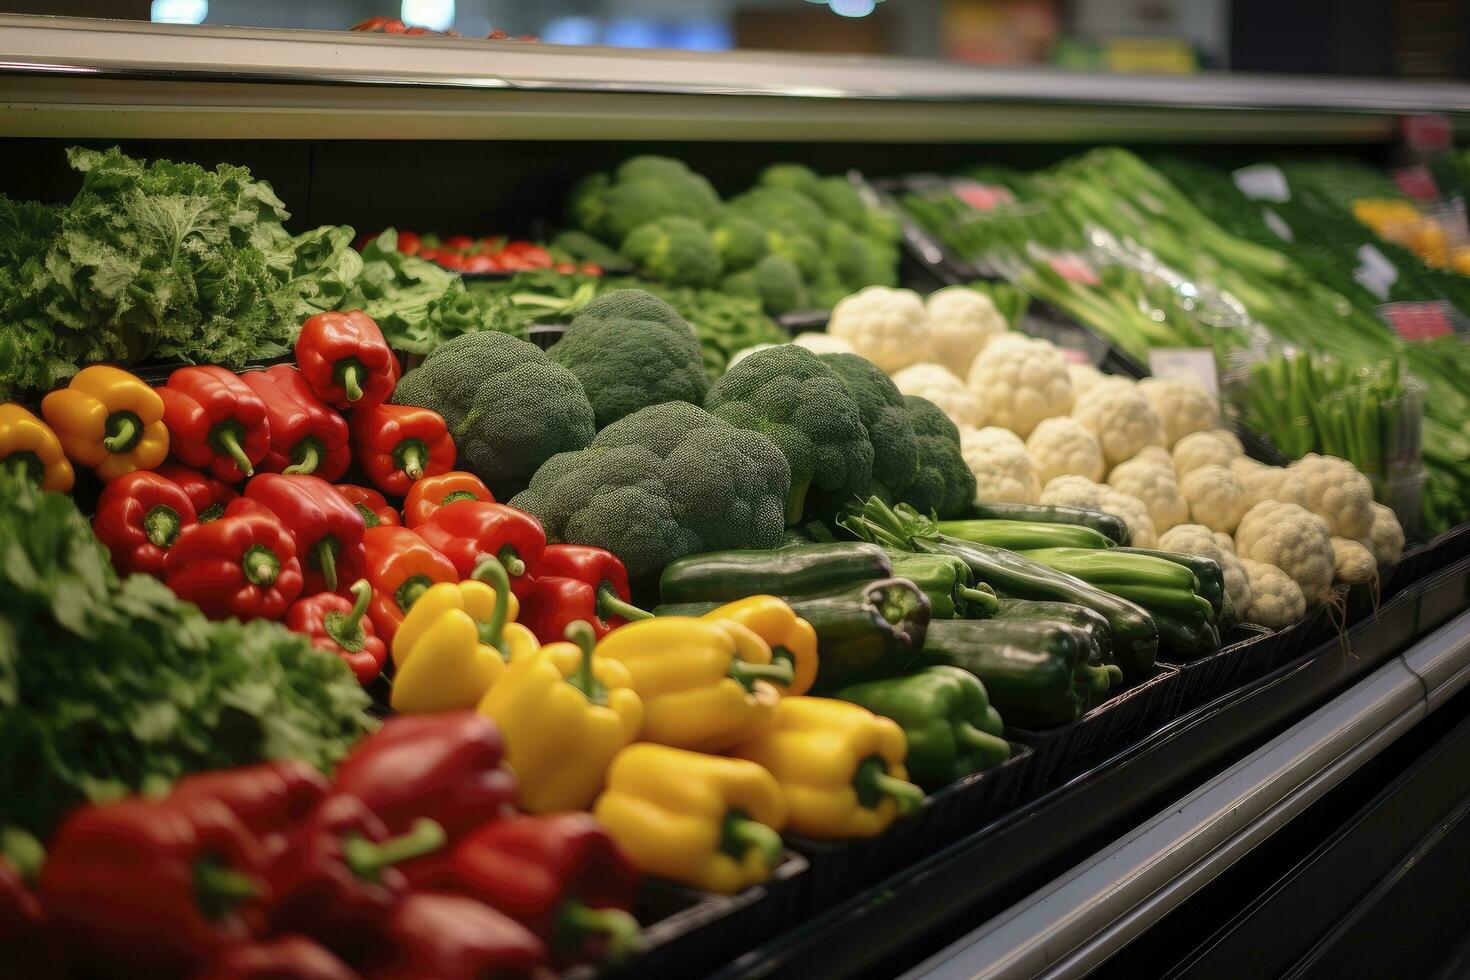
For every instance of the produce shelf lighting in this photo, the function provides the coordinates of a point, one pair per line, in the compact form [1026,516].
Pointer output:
[179,11]
[436,15]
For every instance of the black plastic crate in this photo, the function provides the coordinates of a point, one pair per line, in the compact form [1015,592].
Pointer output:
[1242,657]
[1442,596]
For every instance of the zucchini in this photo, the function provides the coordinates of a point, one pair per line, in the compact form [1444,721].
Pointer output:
[1206,570]
[1090,621]
[724,576]
[1105,524]
[1025,535]
[1029,669]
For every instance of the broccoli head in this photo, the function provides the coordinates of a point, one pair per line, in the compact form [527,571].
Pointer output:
[859,260]
[620,208]
[583,247]
[775,281]
[631,350]
[584,204]
[792,176]
[945,484]
[793,245]
[740,241]
[786,393]
[508,405]
[780,207]
[674,249]
[667,481]
[647,166]
[841,200]
[895,450]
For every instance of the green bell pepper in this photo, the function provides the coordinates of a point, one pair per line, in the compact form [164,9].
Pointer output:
[947,582]
[724,576]
[952,729]
[1035,672]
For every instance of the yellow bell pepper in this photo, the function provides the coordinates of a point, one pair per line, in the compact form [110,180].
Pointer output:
[109,420]
[26,440]
[704,684]
[790,637]
[839,765]
[702,820]
[564,714]
[455,641]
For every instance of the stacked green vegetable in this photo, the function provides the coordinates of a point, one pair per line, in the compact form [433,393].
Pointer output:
[162,260]
[110,687]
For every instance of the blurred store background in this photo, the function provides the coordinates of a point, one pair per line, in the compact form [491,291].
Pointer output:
[1411,38]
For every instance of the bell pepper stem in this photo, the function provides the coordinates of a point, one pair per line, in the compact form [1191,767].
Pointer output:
[492,572]
[580,632]
[23,850]
[873,782]
[325,554]
[229,440]
[362,595]
[412,461]
[748,673]
[161,525]
[122,432]
[367,859]
[742,835]
[309,459]
[971,737]
[351,381]
[616,926]
[987,601]
[514,567]
[261,566]
[609,604]
[218,889]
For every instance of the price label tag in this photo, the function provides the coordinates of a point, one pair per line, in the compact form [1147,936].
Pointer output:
[1417,182]
[1374,272]
[1195,364]
[981,197]
[1263,182]
[1418,321]
[1074,268]
[1428,134]
[1278,225]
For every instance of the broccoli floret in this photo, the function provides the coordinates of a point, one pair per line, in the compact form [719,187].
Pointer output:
[860,261]
[631,350]
[665,482]
[945,484]
[508,406]
[583,247]
[675,250]
[585,208]
[625,207]
[840,199]
[780,207]
[775,281]
[878,224]
[792,176]
[740,241]
[895,450]
[650,167]
[789,395]
[793,245]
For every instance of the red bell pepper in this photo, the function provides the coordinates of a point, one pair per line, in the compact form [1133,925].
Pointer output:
[432,492]
[373,506]
[346,360]
[153,888]
[399,444]
[554,603]
[30,945]
[558,874]
[450,937]
[449,767]
[286,958]
[340,626]
[215,422]
[337,881]
[400,566]
[139,517]
[270,799]
[307,435]
[328,529]
[208,495]
[468,530]
[243,564]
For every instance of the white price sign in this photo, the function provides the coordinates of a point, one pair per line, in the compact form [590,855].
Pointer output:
[1195,364]
[1263,182]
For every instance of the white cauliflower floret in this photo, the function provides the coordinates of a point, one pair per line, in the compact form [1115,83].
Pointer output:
[1122,420]
[1230,439]
[1078,491]
[1156,455]
[887,326]
[1276,600]
[1201,449]
[1386,539]
[1294,540]
[1196,539]
[961,322]
[1261,482]
[1334,490]
[745,352]
[1154,484]
[1352,563]
[1215,497]
[1019,382]
[1183,406]
[1062,447]
[1083,376]
[1003,471]
[938,384]
[1225,541]
[822,343]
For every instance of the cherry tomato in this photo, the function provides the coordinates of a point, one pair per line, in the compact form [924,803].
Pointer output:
[481,263]
[459,243]
[591,269]
[409,242]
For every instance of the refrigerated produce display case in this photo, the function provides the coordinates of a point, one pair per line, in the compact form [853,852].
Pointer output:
[1294,804]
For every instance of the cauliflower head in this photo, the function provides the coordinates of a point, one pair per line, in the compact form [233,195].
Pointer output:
[1155,484]
[1386,538]
[1062,447]
[1230,439]
[1084,377]
[887,326]
[1183,406]
[1019,382]
[1334,490]
[1078,491]
[1215,497]
[961,322]
[1196,539]
[1352,562]
[822,343]
[1002,468]
[1294,540]
[1276,600]
[1122,420]
[1261,482]
[1225,541]
[1202,449]
[940,386]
